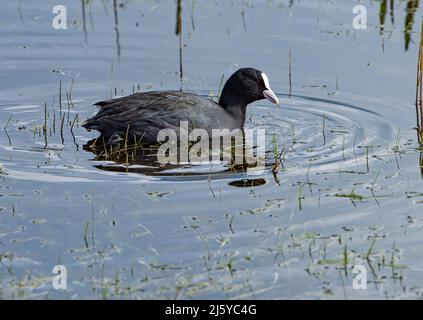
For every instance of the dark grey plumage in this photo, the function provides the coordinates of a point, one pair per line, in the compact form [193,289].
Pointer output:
[143,115]
[147,113]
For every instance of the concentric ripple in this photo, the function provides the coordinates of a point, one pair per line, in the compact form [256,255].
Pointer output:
[325,132]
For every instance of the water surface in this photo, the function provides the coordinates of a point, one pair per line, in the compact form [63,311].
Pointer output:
[350,190]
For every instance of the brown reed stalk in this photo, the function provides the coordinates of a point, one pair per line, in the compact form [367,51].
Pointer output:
[419,89]
[290,73]
[178,31]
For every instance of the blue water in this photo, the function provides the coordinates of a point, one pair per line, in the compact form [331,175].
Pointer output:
[349,193]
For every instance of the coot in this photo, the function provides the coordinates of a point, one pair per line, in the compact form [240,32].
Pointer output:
[143,115]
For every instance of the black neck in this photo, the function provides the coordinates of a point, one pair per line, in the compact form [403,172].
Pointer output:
[234,104]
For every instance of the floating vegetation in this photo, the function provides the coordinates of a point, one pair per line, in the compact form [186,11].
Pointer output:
[352,195]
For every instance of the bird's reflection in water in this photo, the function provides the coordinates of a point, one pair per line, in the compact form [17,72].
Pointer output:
[247,183]
[143,159]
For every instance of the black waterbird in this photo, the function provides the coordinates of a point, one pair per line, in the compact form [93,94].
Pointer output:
[143,115]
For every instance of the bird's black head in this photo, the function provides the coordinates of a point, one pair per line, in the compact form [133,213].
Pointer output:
[246,86]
